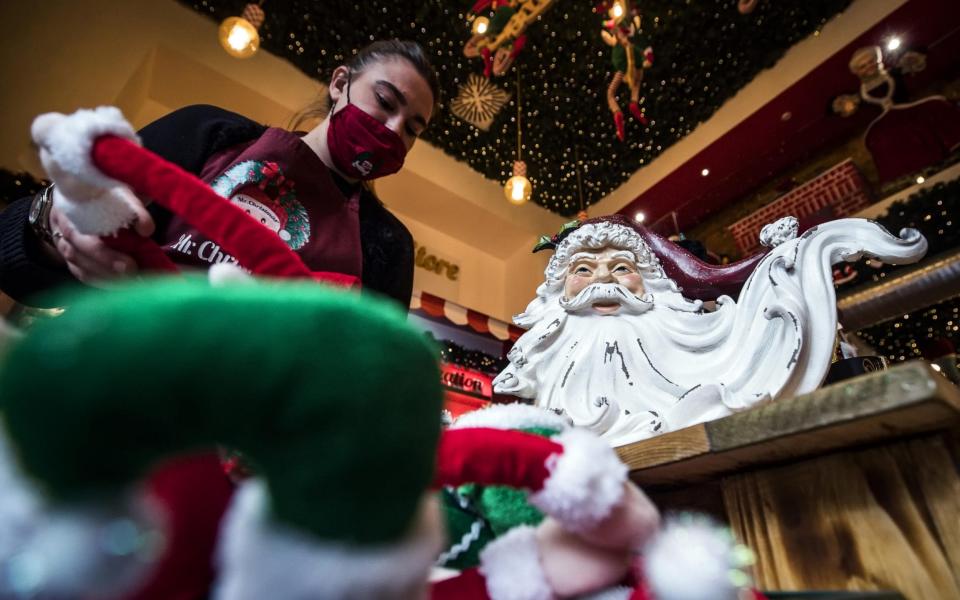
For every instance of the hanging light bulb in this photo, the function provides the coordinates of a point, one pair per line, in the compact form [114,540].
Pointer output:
[518,188]
[480,25]
[617,10]
[239,36]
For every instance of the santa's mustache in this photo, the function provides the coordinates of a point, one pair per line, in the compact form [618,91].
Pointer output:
[608,293]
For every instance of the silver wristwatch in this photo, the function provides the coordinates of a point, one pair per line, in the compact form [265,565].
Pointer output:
[39,215]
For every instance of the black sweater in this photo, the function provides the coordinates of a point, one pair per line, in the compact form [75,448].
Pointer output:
[188,137]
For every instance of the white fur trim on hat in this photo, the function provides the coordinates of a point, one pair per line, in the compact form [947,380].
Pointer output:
[260,558]
[104,212]
[512,416]
[690,561]
[615,593]
[225,273]
[68,140]
[511,566]
[71,551]
[585,482]
[19,502]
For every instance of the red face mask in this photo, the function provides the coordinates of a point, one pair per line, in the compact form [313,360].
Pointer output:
[361,146]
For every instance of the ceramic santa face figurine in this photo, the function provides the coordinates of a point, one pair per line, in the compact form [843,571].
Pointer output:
[615,344]
[610,265]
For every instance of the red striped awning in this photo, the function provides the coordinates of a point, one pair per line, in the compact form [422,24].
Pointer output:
[460,315]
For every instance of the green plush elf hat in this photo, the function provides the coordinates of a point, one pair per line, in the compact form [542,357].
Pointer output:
[333,398]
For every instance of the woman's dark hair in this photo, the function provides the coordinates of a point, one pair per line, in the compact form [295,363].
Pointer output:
[411,51]
[372,54]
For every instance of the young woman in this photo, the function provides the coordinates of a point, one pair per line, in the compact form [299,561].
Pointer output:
[306,188]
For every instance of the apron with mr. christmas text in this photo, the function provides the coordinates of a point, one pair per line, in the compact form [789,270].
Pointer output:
[279,181]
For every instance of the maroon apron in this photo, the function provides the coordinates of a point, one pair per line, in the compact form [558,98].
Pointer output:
[279,181]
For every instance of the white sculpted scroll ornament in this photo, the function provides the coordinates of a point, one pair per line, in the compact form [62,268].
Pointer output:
[614,345]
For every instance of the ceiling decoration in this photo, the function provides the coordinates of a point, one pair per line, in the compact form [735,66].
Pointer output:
[705,50]
[478,101]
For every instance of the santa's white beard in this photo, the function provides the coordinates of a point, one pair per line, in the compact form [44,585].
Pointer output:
[602,371]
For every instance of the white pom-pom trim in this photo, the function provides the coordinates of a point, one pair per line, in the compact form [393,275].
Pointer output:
[19,502]
[616,593]
[511,566]
[224,273]
[512,416]
[586,482]
[690,561]
[68,139]
[260,558]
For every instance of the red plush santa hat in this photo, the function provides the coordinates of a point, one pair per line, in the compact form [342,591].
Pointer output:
[93,154]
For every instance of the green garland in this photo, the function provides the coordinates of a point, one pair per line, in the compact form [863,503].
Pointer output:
[934,211]
[929,332]
[933,330]
[455,354]
[705,51]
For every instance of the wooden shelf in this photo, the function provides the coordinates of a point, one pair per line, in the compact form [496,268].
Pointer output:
[903,400]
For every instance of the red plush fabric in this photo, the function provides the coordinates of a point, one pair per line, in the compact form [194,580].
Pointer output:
[254,246]
[494,457]
[469,585]
[193,493]
[146,252]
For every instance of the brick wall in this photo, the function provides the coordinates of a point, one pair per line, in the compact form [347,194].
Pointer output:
[838,192]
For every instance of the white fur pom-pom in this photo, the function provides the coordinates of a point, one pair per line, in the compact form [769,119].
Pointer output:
[259,557]
[692,559]
[585,482]
[512,416]
[511,567]
[221,274]
[66,141]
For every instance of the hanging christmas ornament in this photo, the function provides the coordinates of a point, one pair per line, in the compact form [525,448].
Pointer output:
[518,188]
[619,32]
[499,39]
[478,102]
[239,35]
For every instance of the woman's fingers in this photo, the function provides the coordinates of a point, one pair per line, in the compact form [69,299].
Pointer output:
[88,258]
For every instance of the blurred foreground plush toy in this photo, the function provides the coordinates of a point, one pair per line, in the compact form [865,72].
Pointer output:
[335,402]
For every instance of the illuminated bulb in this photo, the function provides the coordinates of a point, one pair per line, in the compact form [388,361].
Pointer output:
[617,10]
[518,188]
[640,217]
[705,172]
[480,25]
[893,43]
[920,179]
[239,36]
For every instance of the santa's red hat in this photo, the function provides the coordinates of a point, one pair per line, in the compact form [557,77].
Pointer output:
[697,279]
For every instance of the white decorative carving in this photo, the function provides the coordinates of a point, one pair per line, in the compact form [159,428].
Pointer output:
[660,362]
[774,234]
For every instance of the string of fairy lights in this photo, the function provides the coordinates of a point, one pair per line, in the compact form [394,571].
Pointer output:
[705,51]
[477,360]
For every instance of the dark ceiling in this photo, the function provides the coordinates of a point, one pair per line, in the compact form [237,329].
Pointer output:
[765,144]
[704,50]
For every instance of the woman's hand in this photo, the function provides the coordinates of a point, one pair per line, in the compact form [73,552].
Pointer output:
[87,257]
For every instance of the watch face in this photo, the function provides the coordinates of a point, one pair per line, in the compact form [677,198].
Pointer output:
[36,207]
